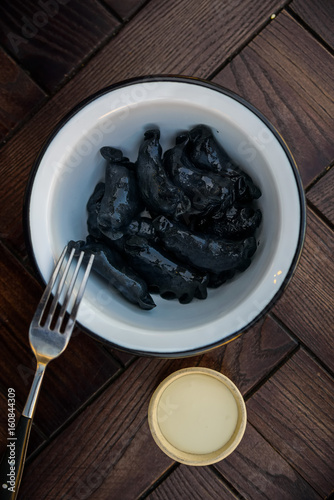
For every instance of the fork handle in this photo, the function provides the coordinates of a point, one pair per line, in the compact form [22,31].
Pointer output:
[12,464]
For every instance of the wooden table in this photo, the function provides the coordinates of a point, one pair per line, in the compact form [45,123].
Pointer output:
[90,437]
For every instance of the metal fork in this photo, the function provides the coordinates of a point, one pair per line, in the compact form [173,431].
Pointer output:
[49,334]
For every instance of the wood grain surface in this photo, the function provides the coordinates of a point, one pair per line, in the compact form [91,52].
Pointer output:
[249,359]
[321,195]
[51,39]
[185,482]
[162,21]
[270,73]
[83,359]
[125,9]
[313,283]
[257,362]
[19,95]
[318,16]
[258,471]
[294,409]
[90,438]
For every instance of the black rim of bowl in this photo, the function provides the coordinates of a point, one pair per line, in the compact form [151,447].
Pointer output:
[221,90]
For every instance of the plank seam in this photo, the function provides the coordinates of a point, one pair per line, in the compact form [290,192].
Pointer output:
[309,29]
[272,372]
[68,78]
[227,483]
[321,215]
[304,346]
[111,11]
[159,481]
[319,177]
[286,460]
[118,17]
[247,41]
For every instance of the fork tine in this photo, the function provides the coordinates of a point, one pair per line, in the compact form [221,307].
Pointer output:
[48,290]
[69,291]
[41,308]
[59,289]
[71,320]
[68,296]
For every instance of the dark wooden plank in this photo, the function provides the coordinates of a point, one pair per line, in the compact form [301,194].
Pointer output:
[258,471]
[322,195]
[123,357]
[288,76]
[248,359]
[19,95]
[192,483]
[19,293]
[116,432]
[190,38]
[318,15]
[157,40]
[114,437]
[294,412]
[71,379]
[251,357]
[307,304]
[125,8]
[51,38]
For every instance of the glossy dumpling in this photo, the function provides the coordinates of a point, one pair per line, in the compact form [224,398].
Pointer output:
[141,226]
[158,192]
[206,190]
[110,264]
[164,274]
[121,201]
[236,223]
[208,154]
[93,209]
[204,251]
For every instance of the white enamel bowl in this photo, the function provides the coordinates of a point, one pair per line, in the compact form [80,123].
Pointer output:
[70,165]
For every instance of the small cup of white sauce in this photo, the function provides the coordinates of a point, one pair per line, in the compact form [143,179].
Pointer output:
[197,416]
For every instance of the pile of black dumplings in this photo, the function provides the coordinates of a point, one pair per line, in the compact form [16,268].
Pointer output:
[172,224]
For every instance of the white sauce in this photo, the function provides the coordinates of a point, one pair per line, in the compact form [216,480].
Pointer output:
[197,414]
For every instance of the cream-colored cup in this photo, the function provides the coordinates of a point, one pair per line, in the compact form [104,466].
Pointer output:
[197,416]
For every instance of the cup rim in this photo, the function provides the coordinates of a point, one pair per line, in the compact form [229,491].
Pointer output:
[193,458]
